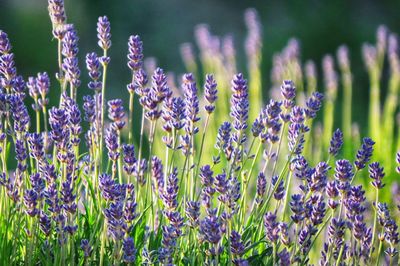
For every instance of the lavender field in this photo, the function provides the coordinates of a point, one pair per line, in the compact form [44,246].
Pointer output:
[197,168]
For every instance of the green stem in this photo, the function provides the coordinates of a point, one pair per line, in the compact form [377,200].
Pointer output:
[103,107]
[285,203]
[202,144]
[340,255]
[278,149]
[378,255]
[375,220]
[130,122]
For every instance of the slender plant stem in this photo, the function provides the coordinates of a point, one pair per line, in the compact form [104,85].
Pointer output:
[375,220]
[202,144]
[103,97]
[130,122]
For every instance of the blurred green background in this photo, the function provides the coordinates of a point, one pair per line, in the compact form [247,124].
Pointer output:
[321,26]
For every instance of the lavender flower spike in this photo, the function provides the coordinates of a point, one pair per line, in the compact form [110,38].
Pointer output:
[314,103]
[116,113]
[210,93]
[191,103]
[129,250]
[336,142]
[57,12]
[239,103]
[87,249]
[104,33]
[135,54]
[364,153]
[271,227]
[288,92]
[5,45]
[398,162]
[377,174]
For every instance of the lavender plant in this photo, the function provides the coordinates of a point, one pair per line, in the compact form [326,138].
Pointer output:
[255,185]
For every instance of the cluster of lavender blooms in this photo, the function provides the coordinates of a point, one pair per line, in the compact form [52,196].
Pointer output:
[256,200]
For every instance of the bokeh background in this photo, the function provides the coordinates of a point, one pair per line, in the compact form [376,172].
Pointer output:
[320,26]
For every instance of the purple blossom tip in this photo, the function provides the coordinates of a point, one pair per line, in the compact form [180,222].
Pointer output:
[104,33]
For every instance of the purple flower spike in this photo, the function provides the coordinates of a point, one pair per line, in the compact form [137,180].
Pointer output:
[74,119]
[297,207]
[87,249]
[257,127]
[364,153]
[192,211]
[319,177]
[170,194]
[336,142]
[30,201]
[129,158]
[191,103]
[301,168]
[115,223]
[377,174]
[130,210]
[140,168]
[261,187]
[332,192]
[343,57]
[157,173]
[173,114]
[284,233]
[19,112]
[135,54]
[70,62]
[224,141]
[221,183]
[5,45]
[45,223]
[210,93]
[288,92]
[20,86]
[32,89]
[206,175]
[21,155]
[178,113]
[129,250]
[57,12]
[43,83]
[239,103]
[89,107]
[111,140]
[210,228]
[159,90]
[280,188]
[104,33]
[254,39]
[93,67]
[237,246]
[38,184]
[70,44]
[343,171]
[296,130]
[314,103]
[139,87]
[398,162]
[271,227]
[116,113]
[284,257]
[318,211]
[7,69]
[330,76]
[36,145]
